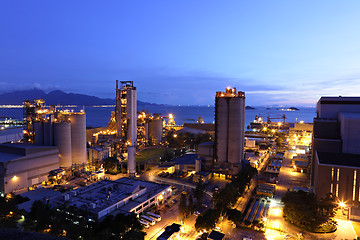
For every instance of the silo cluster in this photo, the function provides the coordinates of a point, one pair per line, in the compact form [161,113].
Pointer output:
[65,130]
[229,125]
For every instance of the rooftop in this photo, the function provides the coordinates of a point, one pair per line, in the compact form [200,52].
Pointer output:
[106,193]
[11,151]
[169,230]
[339,100]
[185,159]
[339,159]
[215,235]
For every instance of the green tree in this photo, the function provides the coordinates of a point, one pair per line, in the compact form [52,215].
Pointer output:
[168,155]
[111,165]
[9,213]
[119,227]
[183,205]
[304,210]
[226,198]
[235,216]
[199,192]
[207,220]
[191,206]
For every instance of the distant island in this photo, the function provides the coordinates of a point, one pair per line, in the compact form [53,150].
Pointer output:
[59,97]
[249,107]
[293,109]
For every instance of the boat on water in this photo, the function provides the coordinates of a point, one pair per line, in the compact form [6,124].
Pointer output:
[259,123]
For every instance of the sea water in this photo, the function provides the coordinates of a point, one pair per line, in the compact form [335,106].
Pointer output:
[100,116]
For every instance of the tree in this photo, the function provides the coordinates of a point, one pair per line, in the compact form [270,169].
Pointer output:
[183,204]
[111,165]
[304,210]
[207,220]
[191,206]
[199,192]
[226,198]
[119,227]
[73,223]
[235,216]
[9,213]
[168,155]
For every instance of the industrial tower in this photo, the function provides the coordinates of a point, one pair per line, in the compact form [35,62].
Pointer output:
[126,120]
[229,126]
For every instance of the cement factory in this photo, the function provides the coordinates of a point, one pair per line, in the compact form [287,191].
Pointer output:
[129,131]
[107,170]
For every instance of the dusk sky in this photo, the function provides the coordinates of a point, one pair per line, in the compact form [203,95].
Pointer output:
[183,51]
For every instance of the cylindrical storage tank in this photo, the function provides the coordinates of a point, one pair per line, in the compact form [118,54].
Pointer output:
[48,134]
[131,161]
[62,139]
[78,138]
[146,126]
[221,125]
[157,130]
[39,133]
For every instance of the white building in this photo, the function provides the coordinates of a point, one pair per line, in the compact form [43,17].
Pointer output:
[112,197]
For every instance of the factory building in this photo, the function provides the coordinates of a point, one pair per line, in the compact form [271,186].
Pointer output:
[25,165]
[112,197]
[126,120]
[335,166]
[229,128]
[61,128]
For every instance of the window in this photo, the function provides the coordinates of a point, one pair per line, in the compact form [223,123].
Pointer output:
[354,185]
[332,188]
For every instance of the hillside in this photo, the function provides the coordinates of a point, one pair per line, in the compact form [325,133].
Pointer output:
[57,97]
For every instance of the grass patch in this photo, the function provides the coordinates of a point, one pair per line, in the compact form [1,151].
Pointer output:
[149,153]
[326,228]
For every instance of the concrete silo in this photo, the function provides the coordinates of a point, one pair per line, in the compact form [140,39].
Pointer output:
[146,129]
[156,130]
[48,134]
[62,139]
[39,133]
[229,126]
[236,130]
[78,138]
[221,126]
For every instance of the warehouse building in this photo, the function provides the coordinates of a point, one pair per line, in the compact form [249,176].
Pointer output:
[25,165]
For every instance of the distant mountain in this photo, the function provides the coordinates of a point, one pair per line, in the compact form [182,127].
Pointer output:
[57,97]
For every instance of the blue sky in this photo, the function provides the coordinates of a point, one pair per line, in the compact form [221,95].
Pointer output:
[182,52]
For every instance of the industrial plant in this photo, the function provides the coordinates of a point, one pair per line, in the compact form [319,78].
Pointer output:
[50,126]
